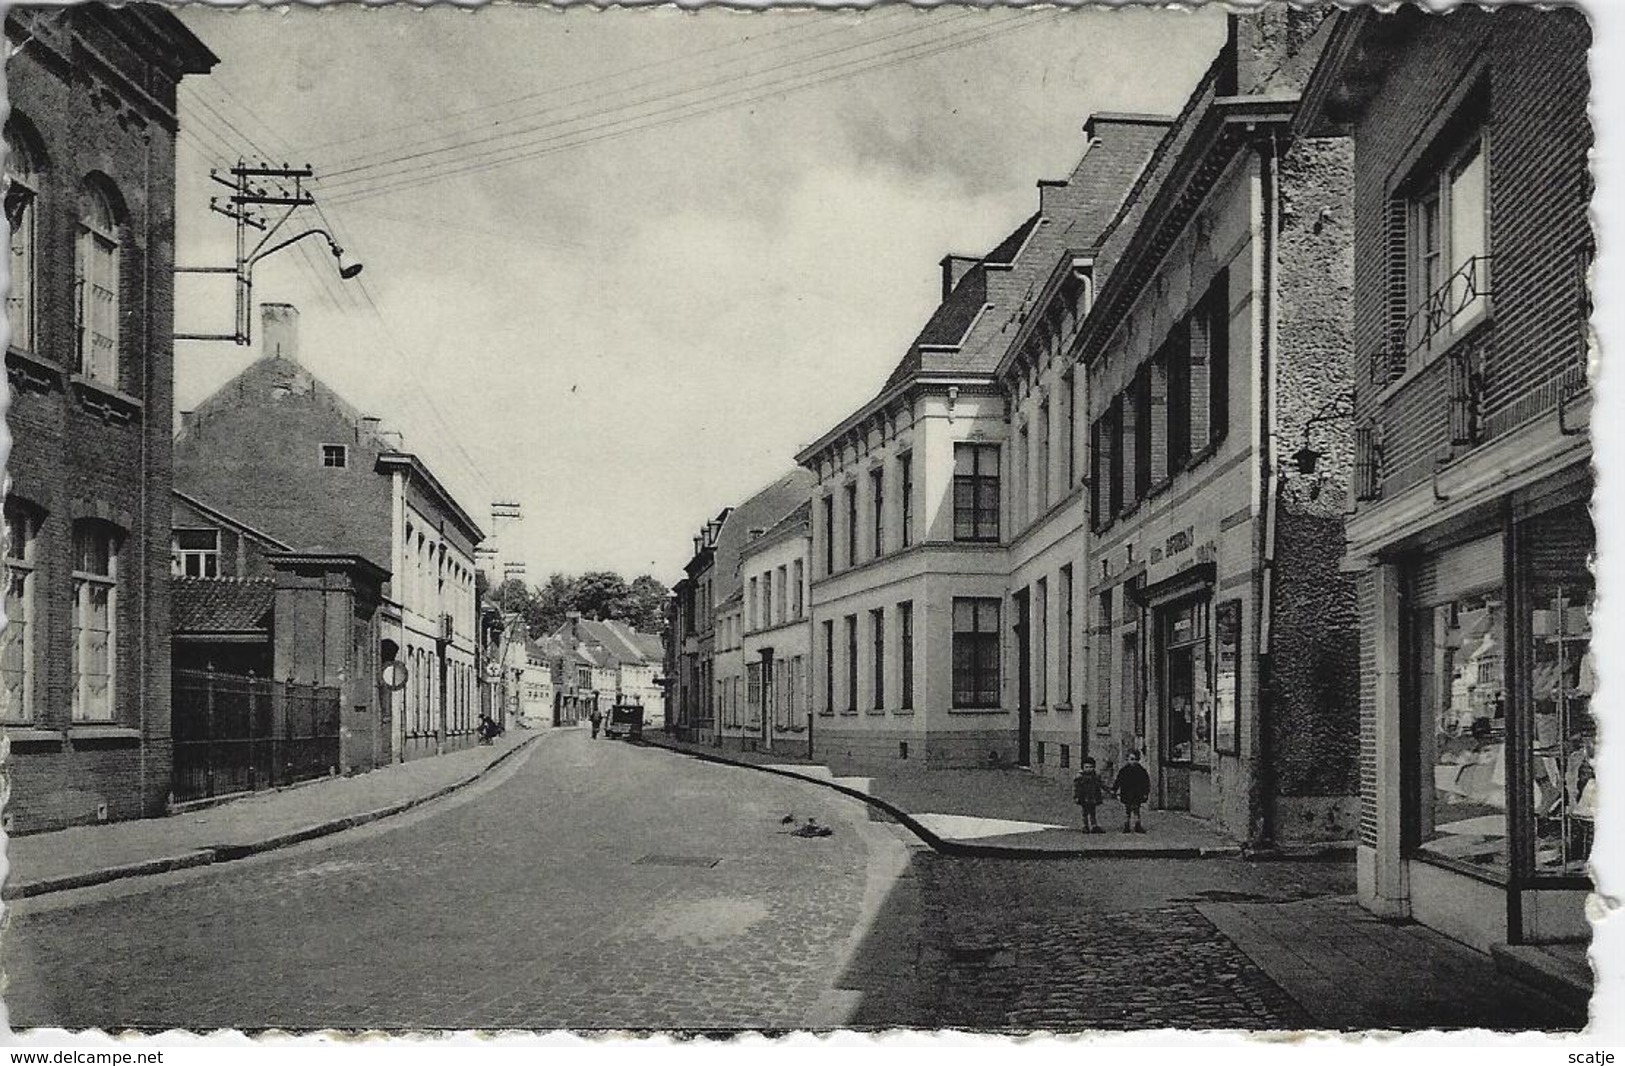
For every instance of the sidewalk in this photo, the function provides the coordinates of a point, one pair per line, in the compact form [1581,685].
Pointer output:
[1005,812]
[1350,970]
[95,854]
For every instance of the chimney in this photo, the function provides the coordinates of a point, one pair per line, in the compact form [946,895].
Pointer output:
[188,421]
[955,267]
[1049,197]
[279,331]
[756,532]
[1275,49]
[371,426]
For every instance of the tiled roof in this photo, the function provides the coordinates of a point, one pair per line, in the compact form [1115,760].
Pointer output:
[761,511]
[221,605]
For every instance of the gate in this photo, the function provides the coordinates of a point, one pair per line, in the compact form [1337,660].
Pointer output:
[238,734]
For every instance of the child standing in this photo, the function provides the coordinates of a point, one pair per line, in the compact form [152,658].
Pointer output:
[1133,788]
[1086,792]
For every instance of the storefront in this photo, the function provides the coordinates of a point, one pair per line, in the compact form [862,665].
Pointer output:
[1495,733]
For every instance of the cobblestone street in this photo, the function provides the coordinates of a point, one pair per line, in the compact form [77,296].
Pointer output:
[576,891]
[596,885]
[1125,944]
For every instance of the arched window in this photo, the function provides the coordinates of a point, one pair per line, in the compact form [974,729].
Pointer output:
[96,275]
[96,547]
[22,198]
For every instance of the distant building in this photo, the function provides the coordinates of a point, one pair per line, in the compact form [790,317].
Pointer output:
[775,640]
[631,662]
[284,455]
[90,200]
[1471,536]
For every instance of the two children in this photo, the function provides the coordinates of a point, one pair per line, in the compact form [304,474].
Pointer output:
[1132,788]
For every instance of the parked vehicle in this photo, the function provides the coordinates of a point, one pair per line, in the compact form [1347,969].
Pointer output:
[625,722]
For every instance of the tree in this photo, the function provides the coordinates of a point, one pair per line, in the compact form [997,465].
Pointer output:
[603,594]
[649,596]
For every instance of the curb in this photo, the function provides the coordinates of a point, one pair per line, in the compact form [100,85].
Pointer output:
[1570,988]
[959,848]
[210,854]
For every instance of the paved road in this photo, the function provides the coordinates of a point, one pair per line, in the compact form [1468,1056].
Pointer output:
[594,885]
[564,893]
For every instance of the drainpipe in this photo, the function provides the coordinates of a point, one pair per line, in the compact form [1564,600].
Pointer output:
[1264,768]
[147,428]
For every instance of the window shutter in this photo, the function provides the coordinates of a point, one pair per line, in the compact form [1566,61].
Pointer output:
[1389,361]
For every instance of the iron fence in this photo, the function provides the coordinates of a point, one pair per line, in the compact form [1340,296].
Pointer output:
[234,733]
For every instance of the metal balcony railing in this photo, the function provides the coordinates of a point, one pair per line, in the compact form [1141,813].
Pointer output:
[1462,292]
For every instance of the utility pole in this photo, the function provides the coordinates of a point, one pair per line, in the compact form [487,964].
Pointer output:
[254,189]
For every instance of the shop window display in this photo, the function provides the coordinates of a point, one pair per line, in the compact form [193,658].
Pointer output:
[1463,729]
[1561,680]
[1188,726]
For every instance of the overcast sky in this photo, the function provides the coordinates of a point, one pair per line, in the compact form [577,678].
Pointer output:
[625,264]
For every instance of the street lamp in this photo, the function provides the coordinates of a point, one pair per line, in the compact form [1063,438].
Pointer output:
[248,195]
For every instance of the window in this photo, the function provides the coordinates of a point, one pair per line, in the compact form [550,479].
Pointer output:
[1557,601]
[22,197]
[1144,429]
[753,615]
[1176,368]
[1462,702]
[877,493]
[1447,254]
[1043,457]
[851,525]
[1109,462]
[829,535]
[1064,682]
[1021,492]
[905,640]
[753,694]
[976,492]
[852,664]
[877,636]
[829,667]
[96,274]
[800,594]
[17,657]
[335,455]
[905,465]
[976,653]
[196,552]
[782,602]
[1209,366]
[1103,672]
[95,613]
[1069,404]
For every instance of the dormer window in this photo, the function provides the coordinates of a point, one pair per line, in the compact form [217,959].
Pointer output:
[336,456]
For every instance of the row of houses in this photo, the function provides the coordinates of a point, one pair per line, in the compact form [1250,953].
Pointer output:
[1260,449]
[270,587]
[586,665]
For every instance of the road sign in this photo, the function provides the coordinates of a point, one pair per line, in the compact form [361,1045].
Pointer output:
[395,676]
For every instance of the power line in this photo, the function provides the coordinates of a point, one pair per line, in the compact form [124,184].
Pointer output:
[338,176]
[554,90]
[495,158]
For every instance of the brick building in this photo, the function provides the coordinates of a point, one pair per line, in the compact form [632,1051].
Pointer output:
[1224,642]
[1470,535]
[89,359]
[282,453]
